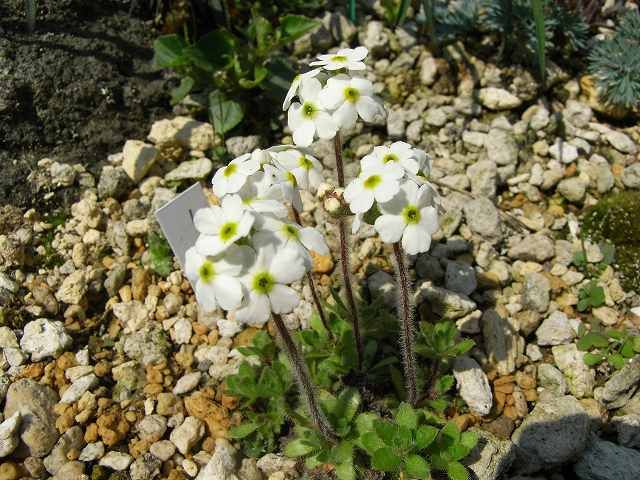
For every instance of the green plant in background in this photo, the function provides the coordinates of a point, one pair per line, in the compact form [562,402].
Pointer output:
[341,412]
[537,8]
[409,445]
[613,346]
[615,63]
[395,11]
[590,296]
[160,255]
[263,392]
[226,64]
[30,8]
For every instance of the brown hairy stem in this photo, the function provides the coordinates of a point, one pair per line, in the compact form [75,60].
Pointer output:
[303,379]
[344,257]
[407,330]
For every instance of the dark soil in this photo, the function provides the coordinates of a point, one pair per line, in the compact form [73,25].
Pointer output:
[73,90]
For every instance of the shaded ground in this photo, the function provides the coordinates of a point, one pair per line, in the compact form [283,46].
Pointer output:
[73,90]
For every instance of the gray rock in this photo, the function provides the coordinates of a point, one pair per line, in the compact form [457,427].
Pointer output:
[604,460]
[187,434]
[501,147]
[536,247]
[631,176]
[44,338]
[186,383]
[92,452]
[117,461]
[573,189]
[115,279]
[71,439]
[163,449]
[555,330]
[118,238]
[152,428]
[237,146]
[621,142]
[190,170]
[374,36]
[222,465]
[138,158]
[555,432]
[461,278]
[73,288]
[396,124]
[78,388]
[444,303]
[491,457]
[148,345]
[382,285]
[580,378]
[536,292]
[577,113]
[483,176]
[473,385]
[146,467]
[563,151]
[501,341]
[249,470]
[628,429]
[552,379]
[114,183]
[621,386]
[428,70]
[9,439]
[272,463]
[436,117]
[498,99]
[69,470]
[482,218]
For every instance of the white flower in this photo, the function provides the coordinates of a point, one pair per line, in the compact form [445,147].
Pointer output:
[292,236]
[351,59]
[309,118]
[221,226]
[257,195]
[285,186]
[214,278]
[410,216]
[231,178]
[400,153]
[267,283]
[295,84]
[305,168]
[379,183]
[350,97]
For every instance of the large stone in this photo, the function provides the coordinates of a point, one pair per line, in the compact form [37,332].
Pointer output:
[501,341]
[444,303]
[628,429]
[501,147]
[78,388]
[555,330]
[631,176]
[498,99]
[621,386]
[579,376]
[44,338]
[621,142]
[473,385]
[35,402]
[604,460]
[536,292]
[563,151]
[375,38]
[117,461]
[554,433]
[9,439]
[188,434]
[190,170]
[222,465]
[192,134]
[73,288]
[138,158]
[536,247]
[482,217]
[237,146]
[552,379]
[483,176]
[573,189]
[461,278]
[491,457]
[72,439]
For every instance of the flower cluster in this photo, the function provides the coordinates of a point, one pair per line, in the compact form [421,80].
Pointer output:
[393,186]
[331,97]
[248,253]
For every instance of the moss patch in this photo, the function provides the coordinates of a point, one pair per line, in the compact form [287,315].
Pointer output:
[616,218]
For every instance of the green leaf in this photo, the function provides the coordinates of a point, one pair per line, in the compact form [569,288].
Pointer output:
[615,334]
[592,359]
[450,433]
[636,344]
[386,431]
[464,346]
[293,27]
[348,403]
[583,304]
[182,90]
[243,430]
[169,51]
[597,296]
[259,74]
[444,384]
[214,51]
[425,435]
[263,31]
[386,460]
[627,349]
[616,360]
[469,440]
[406,416]
[457,471]
[345,471]
[416,467]
[592,340]
[225,114]
[364,422]
[371,442]
[298,448]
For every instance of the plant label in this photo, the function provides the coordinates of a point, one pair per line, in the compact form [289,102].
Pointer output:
[176,220]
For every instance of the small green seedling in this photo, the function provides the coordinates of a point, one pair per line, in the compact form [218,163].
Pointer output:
[613,346]
[590,296]
[160,255]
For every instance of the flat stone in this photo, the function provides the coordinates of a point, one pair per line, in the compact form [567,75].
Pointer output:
[555,432]
[222,464]
[482,217]
[444,303]
[460,278]
[44,338]
[117,461]
[555,330]
[621,386]
[473,385]
[536,247]
[190,170]
[573,189]
[73,288]
[552,379]
[188,434]
[483,176]
[631,176]
[71,439]
[187,382]
[501,341]
[604,460]
[580,378]
[536,292]
[92,452]
[628,429]
[563,151]
[138,158]
[621,142]
[498,99]
[501,147]
[491,458]
[78,388]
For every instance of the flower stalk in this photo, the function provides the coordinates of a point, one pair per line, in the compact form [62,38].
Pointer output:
[407,329]
[344,257]
[303,379]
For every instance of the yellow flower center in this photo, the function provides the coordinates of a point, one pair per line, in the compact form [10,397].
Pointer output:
[206,272]
[228,231]
[372,182]
[411,215]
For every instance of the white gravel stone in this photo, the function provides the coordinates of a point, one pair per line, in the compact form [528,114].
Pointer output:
[73,288]
[187,435]
[621,142]
[563,151]
[190,170]
[555,330]
[473,385]
[163,449]
[498,99]
[9,438]
[138,158]
[78,388]
[92,452]
[44,338]
[117,461]
[187,382]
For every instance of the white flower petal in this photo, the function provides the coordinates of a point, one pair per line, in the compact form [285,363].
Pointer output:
[208,220]
[232,207]
[256,310]
[206,296]
[228,292]
[389,227]
[346,115]
[283,299]
[309,89]
[415,240]
[386,190]
[364,86]
[358,53]
[287,266]
[429,219]
[312,239]
[304,133]
[193,261]
[325,125]
[369,110]
[361,202]
[210,245]
[293,89]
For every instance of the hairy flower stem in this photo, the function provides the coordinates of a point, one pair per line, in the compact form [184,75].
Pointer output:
[344,257]
[301,374]
[407,339]
[312,286]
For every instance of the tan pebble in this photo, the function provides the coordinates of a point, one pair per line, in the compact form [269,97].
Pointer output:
[9,471]
[153,388]
[73,454]
[503,387]
[245,337]
[209,444]
[199,328]
[530,395]
[91,433]
[503,380]
[108,262]
[322,263]
[125,293]
[131,417]
[510,412]
[102,368]
[176,475]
